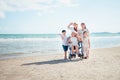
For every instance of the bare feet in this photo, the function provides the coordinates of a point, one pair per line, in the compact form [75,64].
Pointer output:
[65,58]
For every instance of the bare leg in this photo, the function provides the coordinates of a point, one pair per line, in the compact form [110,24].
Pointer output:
[65,57]
[87,53]
[76,48]
[72,49]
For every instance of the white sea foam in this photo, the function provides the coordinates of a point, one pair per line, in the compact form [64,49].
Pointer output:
[29,39]
[49,45]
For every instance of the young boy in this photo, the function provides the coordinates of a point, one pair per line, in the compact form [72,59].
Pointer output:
[86,44]
[64,43]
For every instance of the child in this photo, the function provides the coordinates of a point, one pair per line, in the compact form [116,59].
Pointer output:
[86,44]
[64,43]
[74,43]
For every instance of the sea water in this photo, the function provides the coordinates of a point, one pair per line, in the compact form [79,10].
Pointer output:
[17,45]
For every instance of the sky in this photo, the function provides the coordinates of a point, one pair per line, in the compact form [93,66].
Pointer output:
[52,16]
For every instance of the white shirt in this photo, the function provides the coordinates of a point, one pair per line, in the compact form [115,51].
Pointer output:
[72,29]
[74,41]
[64,40]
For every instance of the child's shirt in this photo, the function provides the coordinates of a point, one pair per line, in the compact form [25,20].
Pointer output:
[64,40]
[74,41]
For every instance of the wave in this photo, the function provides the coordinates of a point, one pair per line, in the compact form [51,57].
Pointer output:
[107,37]
[53,39]
[30,39]
[28,36]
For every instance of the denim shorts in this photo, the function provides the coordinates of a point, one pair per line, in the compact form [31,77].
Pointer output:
[65,48]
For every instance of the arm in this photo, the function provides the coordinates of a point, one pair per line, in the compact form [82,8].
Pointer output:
[88,33]
[79,37]
[89,42]
[69,25]
[61,36]
[89,38]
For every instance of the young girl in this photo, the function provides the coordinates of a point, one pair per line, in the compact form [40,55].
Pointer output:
[74,43]
[86,44]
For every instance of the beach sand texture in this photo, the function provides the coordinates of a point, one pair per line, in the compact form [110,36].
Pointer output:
[103,64]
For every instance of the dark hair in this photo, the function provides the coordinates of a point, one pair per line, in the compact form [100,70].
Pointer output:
[83,24]
[75,28]
[84,32]
[63,31]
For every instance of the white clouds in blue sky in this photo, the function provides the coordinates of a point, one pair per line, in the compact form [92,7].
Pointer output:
[32,5]
[51,16]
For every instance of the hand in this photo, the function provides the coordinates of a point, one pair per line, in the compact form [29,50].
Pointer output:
[89,46]
[60,34]
[71,23]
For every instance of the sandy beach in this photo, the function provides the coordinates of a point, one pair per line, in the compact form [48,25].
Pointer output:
[103,64]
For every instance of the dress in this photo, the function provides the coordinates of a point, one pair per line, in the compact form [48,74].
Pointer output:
[85,42]
[74,41]
[85,46]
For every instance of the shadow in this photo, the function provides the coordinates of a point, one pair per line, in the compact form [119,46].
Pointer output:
[51,62]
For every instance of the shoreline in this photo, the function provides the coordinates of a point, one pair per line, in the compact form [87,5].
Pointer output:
[34,54]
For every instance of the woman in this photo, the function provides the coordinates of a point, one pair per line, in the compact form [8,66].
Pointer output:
[83,26]
[84,29]
[74,28]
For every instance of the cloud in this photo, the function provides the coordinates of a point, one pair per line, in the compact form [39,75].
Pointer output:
[2,15]
[66,2]
[35,5]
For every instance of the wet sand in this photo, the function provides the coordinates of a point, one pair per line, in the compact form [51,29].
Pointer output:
[103,64]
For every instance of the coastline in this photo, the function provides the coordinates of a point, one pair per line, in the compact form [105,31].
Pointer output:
[103,64]
[34,54]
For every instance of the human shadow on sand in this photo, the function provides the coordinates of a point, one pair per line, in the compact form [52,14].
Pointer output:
[58,61]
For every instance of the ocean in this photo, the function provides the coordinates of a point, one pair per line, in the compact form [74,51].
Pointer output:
[20,45]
